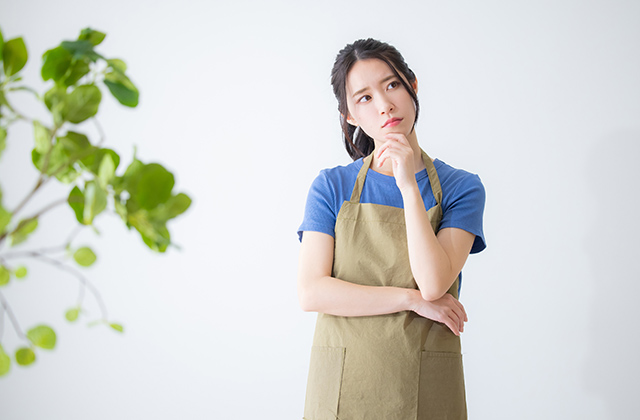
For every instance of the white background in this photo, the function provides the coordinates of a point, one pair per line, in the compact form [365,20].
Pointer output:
[540,98]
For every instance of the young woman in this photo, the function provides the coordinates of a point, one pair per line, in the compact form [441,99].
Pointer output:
[384,240]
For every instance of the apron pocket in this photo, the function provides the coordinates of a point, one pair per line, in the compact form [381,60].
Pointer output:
[323,386]
[441,392]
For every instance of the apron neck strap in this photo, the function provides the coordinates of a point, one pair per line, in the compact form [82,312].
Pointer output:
[428,163]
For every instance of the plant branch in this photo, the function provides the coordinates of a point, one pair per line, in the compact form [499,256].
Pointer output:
[12,317]
[48,250]
[41,179]
[83,280]
[47,208]
[100,131]
[35,216]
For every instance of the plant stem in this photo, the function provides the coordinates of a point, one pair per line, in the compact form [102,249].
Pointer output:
[38,214]
[12,317]
[83,280]
[100,131]
[48,250]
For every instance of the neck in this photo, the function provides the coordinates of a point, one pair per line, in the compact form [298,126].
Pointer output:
[387,168]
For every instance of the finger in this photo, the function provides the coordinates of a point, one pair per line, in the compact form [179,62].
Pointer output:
[400,138]
[385,146]
[458,307]
[462,314]
[453,325]
[458,313]
[387,151]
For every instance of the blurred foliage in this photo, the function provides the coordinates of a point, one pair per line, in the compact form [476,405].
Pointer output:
[141,194]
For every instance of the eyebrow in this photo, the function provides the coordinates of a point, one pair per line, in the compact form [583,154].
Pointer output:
[392,76]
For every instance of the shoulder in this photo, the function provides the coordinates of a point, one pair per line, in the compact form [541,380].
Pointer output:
[463,200]
[328,191]
[458,183]
[332,182]
[343,172]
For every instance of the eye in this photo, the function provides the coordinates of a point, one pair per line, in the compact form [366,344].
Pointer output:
[365,98]
[394,84]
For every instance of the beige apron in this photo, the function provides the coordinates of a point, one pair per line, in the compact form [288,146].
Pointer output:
[398,366]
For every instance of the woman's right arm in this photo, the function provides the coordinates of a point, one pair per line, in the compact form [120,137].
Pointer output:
[319,292]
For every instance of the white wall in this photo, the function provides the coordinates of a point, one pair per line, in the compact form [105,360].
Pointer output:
[541,98]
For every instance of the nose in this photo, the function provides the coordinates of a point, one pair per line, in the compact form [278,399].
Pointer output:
[385,106]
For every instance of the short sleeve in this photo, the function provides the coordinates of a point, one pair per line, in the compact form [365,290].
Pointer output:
[464,209]
[319,213]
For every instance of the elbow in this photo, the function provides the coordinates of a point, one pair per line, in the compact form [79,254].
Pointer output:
[432,294]
[431,291]
[305,305]
[305,299]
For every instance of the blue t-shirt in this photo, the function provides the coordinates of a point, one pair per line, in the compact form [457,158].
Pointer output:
[462,197]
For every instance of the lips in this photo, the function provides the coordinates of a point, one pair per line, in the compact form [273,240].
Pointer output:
[392,122]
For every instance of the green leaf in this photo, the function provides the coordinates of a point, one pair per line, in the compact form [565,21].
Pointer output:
[55,100]
[76,202]
[94,37]
[5,360]
[154,186]
[59,163]
[154,232]
[66,152]
[5,218]
[81,49]
[129,180]
[24,229]
[42,137]
[55,63]
[93,161]
[72,314]
[82,103]
[1,43]
[5,275]
[117,64]
[122,88]
[117,327]
[95,201]
[84,256]
[25,356]
[78,70]
[42,336]
[106,171]
[121,209]
[75,145]
[175,206]
[14,56]
[21,272]
[3,139]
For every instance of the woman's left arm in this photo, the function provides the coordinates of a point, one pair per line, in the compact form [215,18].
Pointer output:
[435,261]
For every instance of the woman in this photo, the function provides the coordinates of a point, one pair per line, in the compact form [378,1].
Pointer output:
[383,242]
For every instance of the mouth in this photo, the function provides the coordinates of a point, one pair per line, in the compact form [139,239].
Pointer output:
[392,122]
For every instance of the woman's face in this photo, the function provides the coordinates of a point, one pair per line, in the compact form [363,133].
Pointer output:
[377,101]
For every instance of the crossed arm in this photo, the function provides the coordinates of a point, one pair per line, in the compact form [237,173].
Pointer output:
[319,292]
[435,261]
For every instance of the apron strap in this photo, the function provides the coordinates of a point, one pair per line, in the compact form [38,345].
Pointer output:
[428,163]
[362,174]
[433,177]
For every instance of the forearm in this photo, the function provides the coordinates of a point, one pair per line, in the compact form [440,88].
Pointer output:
[430,264]
[338,297]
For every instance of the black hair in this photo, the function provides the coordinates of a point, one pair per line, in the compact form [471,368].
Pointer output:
[362,49]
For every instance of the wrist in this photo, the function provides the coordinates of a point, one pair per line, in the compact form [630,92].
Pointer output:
[412,299]
[411,191]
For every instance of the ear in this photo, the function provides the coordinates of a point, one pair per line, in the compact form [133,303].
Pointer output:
[350,120]
[414,85]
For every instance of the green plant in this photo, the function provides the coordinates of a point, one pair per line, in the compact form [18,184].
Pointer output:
[142,195]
